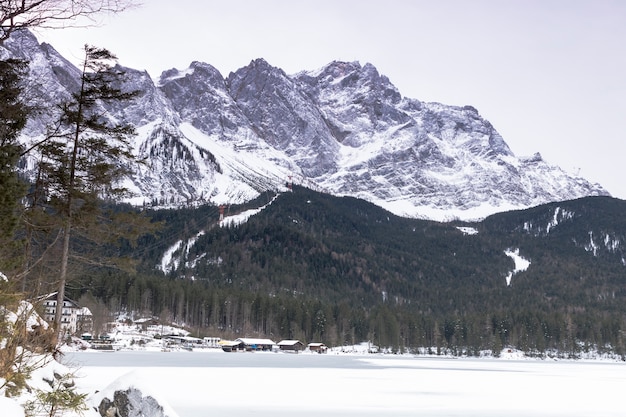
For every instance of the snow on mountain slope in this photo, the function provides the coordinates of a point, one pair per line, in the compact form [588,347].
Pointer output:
[239,167]
[179,252]
[344,129]
[425,159]
[284,117]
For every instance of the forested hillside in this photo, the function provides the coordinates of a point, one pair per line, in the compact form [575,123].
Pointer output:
[340,270]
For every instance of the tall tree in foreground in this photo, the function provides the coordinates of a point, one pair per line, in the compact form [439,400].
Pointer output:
[13,113]
[84,160]
[18,337]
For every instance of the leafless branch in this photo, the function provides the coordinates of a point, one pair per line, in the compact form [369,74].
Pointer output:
[20,14]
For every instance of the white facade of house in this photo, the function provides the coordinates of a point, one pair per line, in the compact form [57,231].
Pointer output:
[72,315]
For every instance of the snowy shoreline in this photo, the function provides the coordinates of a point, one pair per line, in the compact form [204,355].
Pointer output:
[342,383]
[348,384]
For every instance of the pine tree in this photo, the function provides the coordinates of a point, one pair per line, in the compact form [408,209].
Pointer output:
[83,161]
[13,113]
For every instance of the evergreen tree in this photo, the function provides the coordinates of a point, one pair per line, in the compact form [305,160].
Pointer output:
[13,113]
[82,163]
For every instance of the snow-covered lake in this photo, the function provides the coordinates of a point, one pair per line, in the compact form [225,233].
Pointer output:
[201,384]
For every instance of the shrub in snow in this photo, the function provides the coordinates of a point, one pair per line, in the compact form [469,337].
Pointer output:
[25,345]
[57,399]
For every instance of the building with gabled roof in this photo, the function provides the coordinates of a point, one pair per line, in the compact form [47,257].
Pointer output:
[291,345]
[231,345]
[256,344]
[317,347]
[73,317]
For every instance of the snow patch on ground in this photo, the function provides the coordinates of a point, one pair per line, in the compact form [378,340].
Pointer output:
[521,264]
[468,230]
[240,218]
[167,261]
[10,407]
[407,208]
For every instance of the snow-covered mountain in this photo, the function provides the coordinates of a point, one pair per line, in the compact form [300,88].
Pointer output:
[343,129]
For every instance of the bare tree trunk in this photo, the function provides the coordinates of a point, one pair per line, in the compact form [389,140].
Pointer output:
[67,227]
[58,317]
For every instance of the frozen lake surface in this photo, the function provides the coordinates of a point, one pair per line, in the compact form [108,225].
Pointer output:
[201,384]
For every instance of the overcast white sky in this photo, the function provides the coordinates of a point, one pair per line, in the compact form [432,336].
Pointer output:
[550,75]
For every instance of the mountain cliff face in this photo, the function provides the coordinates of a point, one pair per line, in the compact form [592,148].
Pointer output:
[343,129]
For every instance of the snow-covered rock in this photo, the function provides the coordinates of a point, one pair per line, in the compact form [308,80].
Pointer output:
[129,397]
[131,403]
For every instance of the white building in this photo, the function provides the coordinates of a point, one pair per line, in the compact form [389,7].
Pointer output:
[73,317]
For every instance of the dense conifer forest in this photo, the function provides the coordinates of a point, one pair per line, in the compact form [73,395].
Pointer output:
[314,267]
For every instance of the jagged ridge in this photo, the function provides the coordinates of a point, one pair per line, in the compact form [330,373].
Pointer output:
[344,129]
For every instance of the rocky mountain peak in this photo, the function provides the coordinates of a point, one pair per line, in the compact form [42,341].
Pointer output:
[198,94]
[284,116]
[344,129]
[352,79]
[258,77]
[196,70]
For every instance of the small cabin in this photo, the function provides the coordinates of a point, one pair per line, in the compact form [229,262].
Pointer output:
[212,342]
[317,347]
[291,346]
[231,345]
[185,342]
[251,344]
